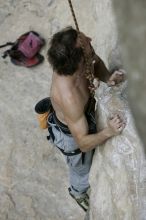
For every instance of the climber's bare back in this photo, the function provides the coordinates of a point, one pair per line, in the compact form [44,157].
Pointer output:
[69,91]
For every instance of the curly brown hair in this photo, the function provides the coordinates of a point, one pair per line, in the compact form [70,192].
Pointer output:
[63,54]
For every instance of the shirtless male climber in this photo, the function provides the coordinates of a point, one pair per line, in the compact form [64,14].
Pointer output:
[72,124]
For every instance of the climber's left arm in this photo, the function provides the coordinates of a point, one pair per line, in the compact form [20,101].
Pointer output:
[103,74]
[100,70]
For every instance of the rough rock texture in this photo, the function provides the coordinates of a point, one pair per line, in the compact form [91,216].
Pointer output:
[118,172]
[106,33]
[131,18]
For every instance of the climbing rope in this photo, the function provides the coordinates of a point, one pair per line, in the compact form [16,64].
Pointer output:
[73,15]
[89,65]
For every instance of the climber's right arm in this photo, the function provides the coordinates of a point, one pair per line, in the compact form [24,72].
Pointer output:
[78,126]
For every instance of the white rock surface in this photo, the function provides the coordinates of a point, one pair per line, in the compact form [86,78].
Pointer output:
[118,172]
[131,18]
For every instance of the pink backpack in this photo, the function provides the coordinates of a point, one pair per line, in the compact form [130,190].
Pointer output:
[25,50]
[31,45]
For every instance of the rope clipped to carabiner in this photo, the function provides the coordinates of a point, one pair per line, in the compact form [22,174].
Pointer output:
[89,70]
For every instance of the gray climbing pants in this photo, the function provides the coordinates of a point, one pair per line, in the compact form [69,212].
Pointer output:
[78,170]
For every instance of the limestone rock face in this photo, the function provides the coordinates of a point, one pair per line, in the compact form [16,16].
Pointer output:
[118,172]
[130,18]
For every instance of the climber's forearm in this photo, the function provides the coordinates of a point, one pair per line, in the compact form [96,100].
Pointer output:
[100,70]
[89,142]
